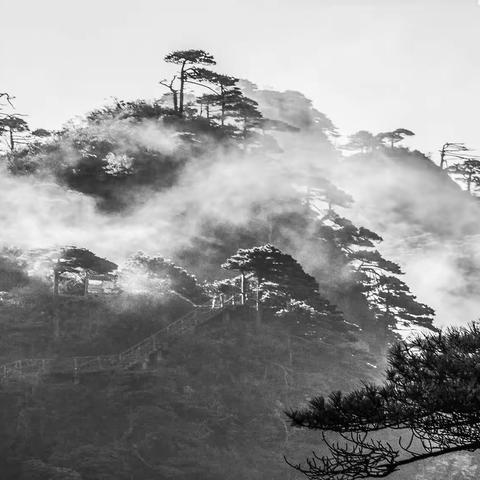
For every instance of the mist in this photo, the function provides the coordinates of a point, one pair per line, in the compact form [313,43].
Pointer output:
[427,222]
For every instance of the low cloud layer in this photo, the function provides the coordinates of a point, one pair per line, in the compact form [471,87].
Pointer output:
[427,222]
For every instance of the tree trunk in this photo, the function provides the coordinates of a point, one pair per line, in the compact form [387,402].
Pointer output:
[442,157]
[387,307]
[182,87]
[242,287]
[55,283]
[180,109]
[258,306]
[85,285]
[222,104]
[258,316]
[175,100]
[12,142]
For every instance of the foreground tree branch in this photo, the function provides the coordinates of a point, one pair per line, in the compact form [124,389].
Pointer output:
[430,402]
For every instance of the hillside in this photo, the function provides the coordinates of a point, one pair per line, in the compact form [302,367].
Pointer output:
[216,398]
[428,222]
[143,210]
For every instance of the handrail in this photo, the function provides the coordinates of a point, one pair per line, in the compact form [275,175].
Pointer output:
[151,343]
[130,356]
[163,328]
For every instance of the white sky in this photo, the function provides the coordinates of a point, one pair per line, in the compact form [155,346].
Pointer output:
[368,64]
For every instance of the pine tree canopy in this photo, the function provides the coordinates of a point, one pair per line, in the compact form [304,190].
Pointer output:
[74,259]
[279,275]
[430,402]
[190,56]
[178,279]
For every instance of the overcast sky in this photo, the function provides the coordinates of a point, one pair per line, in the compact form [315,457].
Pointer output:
[367,64]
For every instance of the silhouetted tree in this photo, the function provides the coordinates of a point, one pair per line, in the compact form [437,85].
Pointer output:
[187,60]
[206,101]
[430,399]
[279,278]
[394,301]
[171,277]
[41,132]
[120,109]
[173,91]
[363,141]
[219,84]
[320,189]
[81,262]
[11,125]
[74,258]
[394,137]
[469,170]
[451,150]
[244,110]
[389,298]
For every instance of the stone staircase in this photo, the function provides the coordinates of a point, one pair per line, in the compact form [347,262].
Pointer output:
[140,354]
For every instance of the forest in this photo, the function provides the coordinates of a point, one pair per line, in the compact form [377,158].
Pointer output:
[213,284]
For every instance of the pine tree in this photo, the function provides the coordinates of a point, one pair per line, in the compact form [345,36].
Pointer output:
[430,401]
[280,279]
[73,259]
[392,138]
[469,170]
[243,110]
[389,297]
[157,273]
[188,60]
[222,85]
[12,125]
[363,141]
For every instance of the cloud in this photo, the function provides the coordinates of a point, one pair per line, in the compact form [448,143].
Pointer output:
[428,224]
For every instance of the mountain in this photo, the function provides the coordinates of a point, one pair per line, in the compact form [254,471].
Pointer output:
[246,193]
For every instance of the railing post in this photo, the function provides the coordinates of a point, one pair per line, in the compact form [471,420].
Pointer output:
[56,277]
[242,287]
[75,370]
[85,284]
